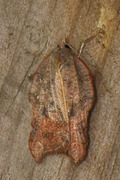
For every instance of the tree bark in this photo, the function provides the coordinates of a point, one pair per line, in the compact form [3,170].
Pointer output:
[28,30]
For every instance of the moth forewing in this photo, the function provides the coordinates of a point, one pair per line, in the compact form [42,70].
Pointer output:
[62,94]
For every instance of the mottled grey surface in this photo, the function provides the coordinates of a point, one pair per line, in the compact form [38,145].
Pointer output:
[28,30]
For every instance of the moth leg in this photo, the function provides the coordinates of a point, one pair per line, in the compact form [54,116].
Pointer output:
[87,40]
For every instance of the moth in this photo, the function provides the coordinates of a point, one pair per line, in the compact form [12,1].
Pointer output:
[61,95]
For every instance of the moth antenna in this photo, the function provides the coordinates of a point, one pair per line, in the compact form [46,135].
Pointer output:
[87,40]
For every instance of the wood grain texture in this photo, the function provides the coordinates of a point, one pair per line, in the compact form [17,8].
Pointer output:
[30,29]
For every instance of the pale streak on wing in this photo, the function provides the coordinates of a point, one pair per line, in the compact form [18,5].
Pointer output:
[53,89]
[60,92]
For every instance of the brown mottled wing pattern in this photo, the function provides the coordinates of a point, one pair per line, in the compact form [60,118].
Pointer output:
[61,96]
[83,98]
